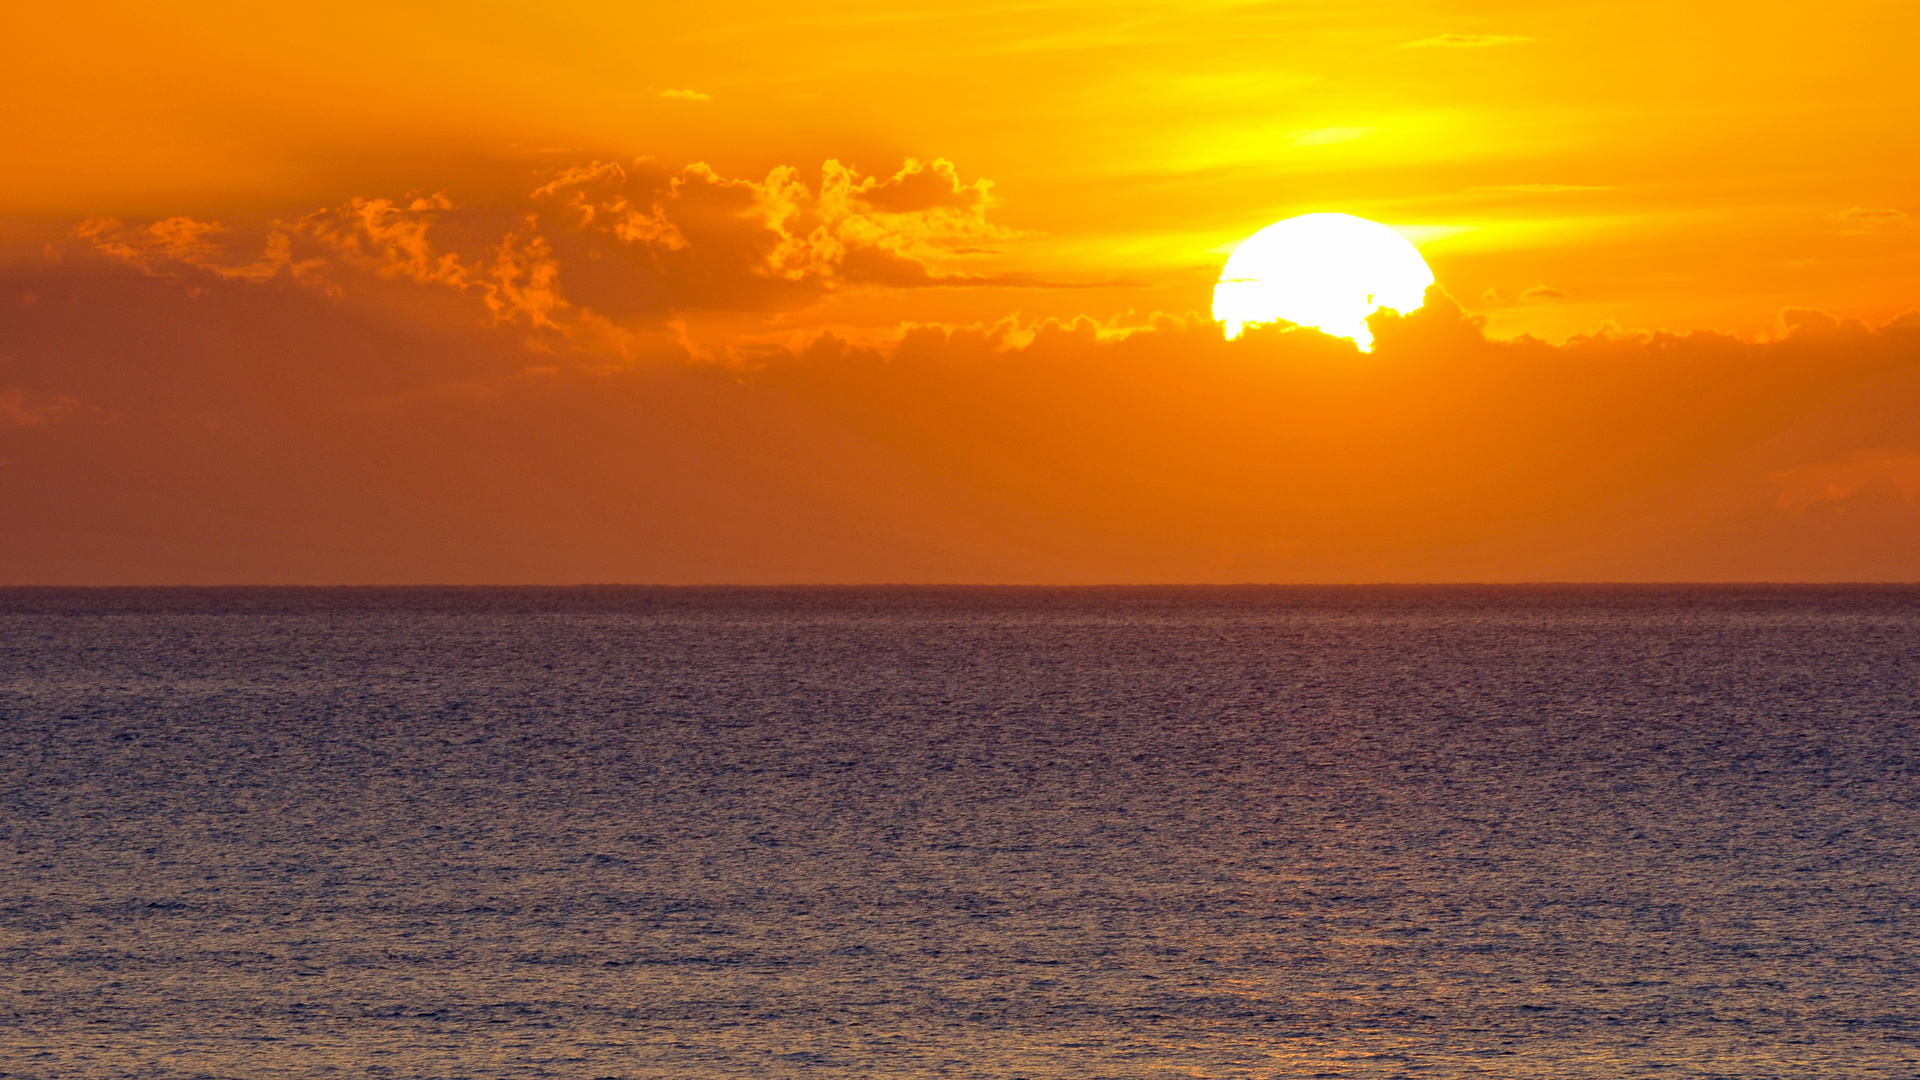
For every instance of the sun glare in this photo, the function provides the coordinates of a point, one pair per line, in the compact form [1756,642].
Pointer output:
[1327,271]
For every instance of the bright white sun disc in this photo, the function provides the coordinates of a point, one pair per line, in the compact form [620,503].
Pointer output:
[1327,271]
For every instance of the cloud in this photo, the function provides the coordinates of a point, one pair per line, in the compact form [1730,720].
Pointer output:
[1895,472]
[1493,297]
[19,409]
[1327,136]
[1538,189]
[524,279]
[388,238]
[599,194]
[917,188]
[228,433]
[601,251]
[1634,455]
[685,95]
[1465,41]
[177,242]
[1867,220]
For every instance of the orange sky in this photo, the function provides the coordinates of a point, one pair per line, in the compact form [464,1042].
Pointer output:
[856,292]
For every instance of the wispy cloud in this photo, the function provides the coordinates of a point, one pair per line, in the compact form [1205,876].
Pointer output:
[1424,233]
[1327,136]
[1824,483]
[685,95]
[1465,41]
[1538,189]
[1536,294]
[153,248]
[1863,219]
[18,410]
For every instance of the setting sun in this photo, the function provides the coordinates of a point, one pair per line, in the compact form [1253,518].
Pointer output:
[1326,271]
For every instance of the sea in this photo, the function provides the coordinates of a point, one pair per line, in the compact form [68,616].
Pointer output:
[960,832]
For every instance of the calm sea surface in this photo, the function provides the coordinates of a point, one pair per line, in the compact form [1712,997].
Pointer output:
[960,833]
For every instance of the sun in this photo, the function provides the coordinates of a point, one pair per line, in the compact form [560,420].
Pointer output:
[1327,271]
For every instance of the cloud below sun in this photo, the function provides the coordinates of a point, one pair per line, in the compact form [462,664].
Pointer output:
[355,392]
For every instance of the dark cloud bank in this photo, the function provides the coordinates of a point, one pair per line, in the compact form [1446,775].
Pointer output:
[371,400]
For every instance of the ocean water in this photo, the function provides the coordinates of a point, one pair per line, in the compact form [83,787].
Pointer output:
[1576,832]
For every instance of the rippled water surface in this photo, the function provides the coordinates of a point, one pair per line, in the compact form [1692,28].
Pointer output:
[911,833]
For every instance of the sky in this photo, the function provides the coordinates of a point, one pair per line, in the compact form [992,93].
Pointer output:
[862,292]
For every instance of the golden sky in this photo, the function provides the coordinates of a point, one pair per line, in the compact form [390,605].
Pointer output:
[500,292]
